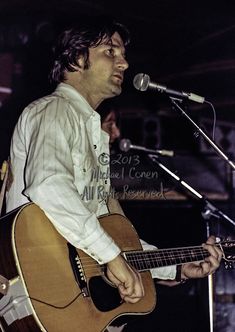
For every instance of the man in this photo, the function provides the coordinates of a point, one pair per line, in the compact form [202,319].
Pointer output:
[58,143]
[109,123]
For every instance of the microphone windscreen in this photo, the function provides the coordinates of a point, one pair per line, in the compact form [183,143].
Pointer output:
[125,145]
[141,81]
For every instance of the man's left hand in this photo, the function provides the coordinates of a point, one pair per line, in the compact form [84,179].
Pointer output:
[208,266]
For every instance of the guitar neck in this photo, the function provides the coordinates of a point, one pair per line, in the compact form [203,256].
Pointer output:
[146,260]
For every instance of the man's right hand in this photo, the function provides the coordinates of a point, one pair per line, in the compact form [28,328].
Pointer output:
[127,280]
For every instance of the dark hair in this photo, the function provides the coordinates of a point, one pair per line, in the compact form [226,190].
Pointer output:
[76,41]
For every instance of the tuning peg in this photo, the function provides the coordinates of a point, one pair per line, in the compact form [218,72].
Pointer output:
[228,265]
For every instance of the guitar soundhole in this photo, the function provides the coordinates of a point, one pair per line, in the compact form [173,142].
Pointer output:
[104,296]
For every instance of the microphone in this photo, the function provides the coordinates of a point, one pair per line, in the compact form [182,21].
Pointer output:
[125,145]
[142,82]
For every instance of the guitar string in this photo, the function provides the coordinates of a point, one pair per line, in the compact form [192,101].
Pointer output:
[142,261]
[93,266]
[169,260]
[148,256]
[175,253]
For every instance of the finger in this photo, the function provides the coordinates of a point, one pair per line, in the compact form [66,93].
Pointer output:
[136,292]
[220,253]
[129,285]
[142,292]
[129,299]
[213,250]
[209,266]
[205,268]
[125,291]
[211,240]
[213,262]
[136,296]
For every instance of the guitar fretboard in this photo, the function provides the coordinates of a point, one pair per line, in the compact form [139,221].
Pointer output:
[146,260]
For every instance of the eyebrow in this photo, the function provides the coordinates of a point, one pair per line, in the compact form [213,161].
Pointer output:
[115,45]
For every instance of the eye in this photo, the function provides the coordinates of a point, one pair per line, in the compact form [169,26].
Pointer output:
[110,52]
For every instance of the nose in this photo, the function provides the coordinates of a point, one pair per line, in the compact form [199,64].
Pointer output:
[115,133]
[122,63]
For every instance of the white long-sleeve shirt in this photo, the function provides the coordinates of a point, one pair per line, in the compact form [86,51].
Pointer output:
[56,147]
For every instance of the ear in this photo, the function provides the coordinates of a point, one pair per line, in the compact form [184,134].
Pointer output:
[80,66]
[81,62]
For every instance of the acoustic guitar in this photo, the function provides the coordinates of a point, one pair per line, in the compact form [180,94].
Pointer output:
[47,284]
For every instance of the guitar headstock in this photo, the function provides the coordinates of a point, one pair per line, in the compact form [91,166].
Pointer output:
[228,248]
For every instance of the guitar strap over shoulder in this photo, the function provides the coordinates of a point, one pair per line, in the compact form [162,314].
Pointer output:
[4,177]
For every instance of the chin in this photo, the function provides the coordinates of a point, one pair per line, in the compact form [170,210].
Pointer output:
[117,91]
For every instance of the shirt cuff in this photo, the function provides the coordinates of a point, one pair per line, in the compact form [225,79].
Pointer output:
[164,273]
[103,250]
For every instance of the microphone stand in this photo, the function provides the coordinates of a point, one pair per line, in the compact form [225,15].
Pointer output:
[209,209]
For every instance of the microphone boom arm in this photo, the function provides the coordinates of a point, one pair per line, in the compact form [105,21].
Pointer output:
[213,144]
[209,208]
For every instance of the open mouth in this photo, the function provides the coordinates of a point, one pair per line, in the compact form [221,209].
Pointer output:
[120,77]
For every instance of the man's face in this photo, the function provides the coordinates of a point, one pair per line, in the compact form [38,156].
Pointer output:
[109,125]
[105,74]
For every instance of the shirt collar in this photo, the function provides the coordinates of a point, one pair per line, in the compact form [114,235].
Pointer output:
[73,95]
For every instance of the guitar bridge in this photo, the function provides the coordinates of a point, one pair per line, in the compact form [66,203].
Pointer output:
[78,270]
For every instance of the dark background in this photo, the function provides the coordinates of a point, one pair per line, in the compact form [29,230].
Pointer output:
[186,45]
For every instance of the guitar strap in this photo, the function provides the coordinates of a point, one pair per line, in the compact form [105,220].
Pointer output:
[4,177]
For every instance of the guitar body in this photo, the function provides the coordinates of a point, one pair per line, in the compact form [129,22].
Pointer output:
[32,249]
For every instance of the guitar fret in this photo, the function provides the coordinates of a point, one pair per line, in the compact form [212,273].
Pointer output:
[162,258]
[146,260]
[142,262]
[170,257]
[149,261]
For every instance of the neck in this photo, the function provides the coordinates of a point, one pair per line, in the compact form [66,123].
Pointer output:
[93,99]
[146,260]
